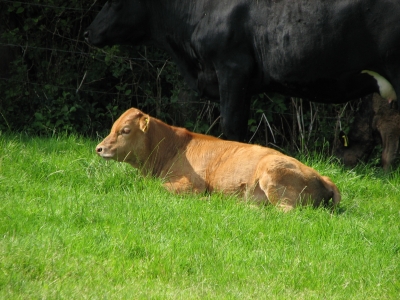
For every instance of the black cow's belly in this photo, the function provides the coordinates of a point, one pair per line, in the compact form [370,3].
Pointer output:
[328,90]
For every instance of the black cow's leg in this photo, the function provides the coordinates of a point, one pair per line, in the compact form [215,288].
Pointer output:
[233,81]
[234,117]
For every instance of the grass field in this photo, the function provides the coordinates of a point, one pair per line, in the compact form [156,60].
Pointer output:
[76,227]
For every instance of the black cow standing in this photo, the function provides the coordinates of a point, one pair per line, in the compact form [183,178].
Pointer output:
[324,50]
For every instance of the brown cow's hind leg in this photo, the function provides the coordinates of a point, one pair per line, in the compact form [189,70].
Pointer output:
[276,194]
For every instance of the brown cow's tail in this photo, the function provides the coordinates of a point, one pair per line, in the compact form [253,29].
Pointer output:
[332,188]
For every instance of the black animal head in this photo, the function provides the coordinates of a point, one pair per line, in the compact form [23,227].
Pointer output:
[118,22]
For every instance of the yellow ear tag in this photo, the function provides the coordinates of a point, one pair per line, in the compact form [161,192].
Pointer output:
[146,125]
[345,140]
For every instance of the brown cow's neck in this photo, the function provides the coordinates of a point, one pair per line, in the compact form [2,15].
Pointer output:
[166,144]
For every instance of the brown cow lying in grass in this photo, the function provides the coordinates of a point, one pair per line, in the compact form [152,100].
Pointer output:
[194,162]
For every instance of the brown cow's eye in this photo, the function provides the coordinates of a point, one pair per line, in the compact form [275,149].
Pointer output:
[126,130]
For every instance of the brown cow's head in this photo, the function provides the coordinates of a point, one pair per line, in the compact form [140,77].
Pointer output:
[349,154]
[127,141]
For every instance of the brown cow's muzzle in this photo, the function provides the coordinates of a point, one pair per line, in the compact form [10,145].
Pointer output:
[99,150]
[103,152]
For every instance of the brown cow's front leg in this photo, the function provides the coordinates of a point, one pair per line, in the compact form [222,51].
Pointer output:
[182,185]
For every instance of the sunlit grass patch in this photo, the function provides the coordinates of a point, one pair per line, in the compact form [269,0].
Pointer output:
[75,226]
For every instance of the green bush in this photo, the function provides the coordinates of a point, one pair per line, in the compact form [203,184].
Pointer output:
[59,83]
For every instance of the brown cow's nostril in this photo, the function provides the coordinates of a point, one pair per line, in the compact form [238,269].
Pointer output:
[99,149]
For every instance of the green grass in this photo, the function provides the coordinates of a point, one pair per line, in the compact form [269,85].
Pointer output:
[74,226]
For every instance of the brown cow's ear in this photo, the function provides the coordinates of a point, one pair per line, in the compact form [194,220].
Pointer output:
[144,123]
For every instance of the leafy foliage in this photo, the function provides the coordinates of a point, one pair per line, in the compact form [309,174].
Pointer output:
[56,82]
